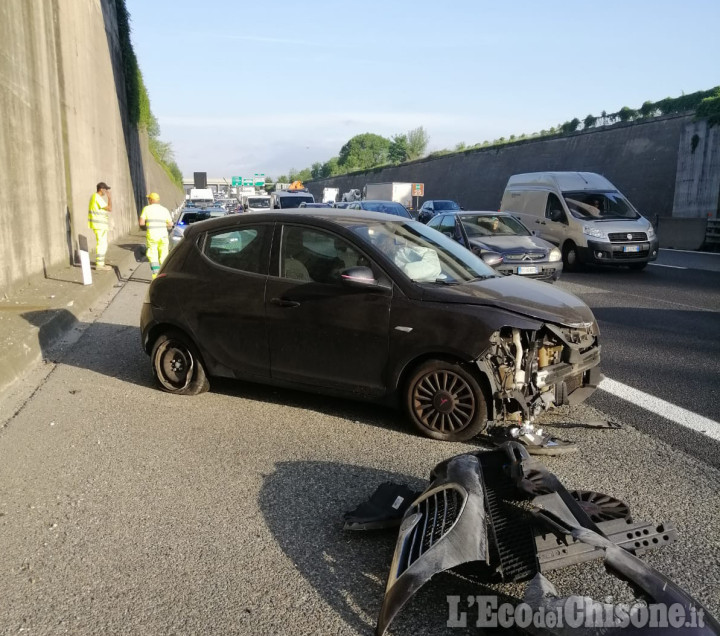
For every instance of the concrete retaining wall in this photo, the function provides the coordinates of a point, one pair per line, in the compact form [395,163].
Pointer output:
[697,185]
[640,158]
[64,128]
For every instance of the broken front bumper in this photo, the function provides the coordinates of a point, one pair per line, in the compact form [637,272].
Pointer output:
[469,516]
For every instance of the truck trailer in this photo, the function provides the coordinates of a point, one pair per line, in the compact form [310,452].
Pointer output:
[393,191]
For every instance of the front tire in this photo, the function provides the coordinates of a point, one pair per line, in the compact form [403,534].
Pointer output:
[571,257]
[445,402]
[177,365]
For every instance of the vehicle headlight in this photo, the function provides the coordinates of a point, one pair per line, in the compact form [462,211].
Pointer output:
[651,232]
[590,230]
[555,255]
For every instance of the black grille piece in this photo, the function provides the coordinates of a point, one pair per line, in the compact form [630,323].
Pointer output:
[622,237]
[438,513]
[511,530]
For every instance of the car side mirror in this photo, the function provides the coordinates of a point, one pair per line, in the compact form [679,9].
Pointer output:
[359,278]
[492,259]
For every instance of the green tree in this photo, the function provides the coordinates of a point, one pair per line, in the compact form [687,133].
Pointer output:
[398,150]
[647,109]
[316,170]
[626,114]
[363,152]
[460,147]
[570,126]
[331,168]
[589,121]
[269,185]
[417,142]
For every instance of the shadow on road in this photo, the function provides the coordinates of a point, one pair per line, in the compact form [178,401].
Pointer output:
[303,503]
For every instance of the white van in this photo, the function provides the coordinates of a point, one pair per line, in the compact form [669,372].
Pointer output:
[583,214]
[256,202]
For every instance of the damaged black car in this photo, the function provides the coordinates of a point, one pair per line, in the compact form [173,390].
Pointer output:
[367,306]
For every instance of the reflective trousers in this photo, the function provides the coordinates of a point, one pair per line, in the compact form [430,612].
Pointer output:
[101,247]
[157,251]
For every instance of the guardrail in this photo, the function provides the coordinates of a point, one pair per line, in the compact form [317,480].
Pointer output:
[712,234]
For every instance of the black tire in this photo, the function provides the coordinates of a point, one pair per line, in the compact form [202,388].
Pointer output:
[571,257]
[177,365]
[444,401]
[637,267]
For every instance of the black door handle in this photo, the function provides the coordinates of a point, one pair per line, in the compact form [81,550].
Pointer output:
[282,302]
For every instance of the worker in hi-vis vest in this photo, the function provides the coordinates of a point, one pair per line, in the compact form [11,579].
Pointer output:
[156,220]
[99,222]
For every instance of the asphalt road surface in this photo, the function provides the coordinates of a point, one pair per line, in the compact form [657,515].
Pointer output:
[127,510]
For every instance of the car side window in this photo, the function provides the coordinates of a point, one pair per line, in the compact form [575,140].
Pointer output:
[447,225]
[315,256]
[435,222]
[238,249]
[554,209]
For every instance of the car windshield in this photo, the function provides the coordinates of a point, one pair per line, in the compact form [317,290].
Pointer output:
[424,255]
[293,201]
[259,203]
[388,207]
[594,206]
[446,205]
[492,225]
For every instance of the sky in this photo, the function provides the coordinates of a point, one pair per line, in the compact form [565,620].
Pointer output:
[241,88]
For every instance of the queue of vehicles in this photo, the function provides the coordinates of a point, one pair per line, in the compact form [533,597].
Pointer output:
[546,222]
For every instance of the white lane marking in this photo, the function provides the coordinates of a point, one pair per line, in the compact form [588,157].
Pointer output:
[671,266]
[664,409]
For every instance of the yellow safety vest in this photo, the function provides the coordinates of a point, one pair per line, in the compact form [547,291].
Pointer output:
[97,214]
[156,219]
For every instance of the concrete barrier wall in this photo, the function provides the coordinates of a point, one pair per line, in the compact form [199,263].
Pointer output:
[64,128]
[681,233]
[697,185]
[640,158]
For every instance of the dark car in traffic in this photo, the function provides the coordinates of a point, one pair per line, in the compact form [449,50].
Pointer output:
[368,306]
[384,207]
[436,206]
[502,241]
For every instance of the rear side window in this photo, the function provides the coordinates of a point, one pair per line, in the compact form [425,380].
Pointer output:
[240,249]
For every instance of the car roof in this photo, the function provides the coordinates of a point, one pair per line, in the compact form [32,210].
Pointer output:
[377,201]
[475,213]
[331,215]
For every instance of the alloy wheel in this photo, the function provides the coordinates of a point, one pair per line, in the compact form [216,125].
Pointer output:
[443,401]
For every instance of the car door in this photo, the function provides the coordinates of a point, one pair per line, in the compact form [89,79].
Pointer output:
[322,332]
[554,226]
[228,313]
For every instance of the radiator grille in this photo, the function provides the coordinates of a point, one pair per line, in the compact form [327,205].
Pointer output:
[438,513]
[622,237]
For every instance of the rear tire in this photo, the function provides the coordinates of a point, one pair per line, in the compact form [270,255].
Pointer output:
[445,402]
[571,257]
[177,365]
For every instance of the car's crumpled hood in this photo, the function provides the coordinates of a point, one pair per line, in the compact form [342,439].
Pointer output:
[504,244]
[528,297]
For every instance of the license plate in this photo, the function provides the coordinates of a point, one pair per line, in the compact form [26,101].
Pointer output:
[527,269]
[631,248]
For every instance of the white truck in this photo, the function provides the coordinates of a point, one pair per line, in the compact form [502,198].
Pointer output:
[330,195]
[201,197]
[394,191]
